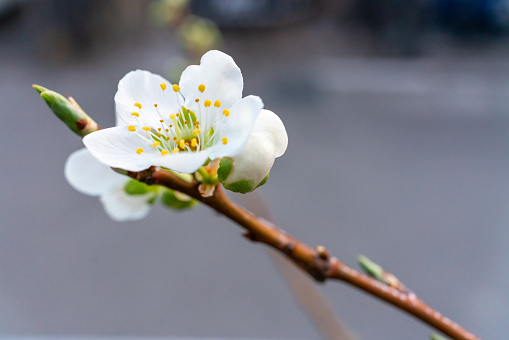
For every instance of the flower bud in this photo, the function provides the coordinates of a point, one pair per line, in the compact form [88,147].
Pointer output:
[68,111]
[250,168]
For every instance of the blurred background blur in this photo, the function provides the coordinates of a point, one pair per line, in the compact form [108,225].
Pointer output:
[398,119]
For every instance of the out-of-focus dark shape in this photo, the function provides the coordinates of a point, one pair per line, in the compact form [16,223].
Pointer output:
[252,13]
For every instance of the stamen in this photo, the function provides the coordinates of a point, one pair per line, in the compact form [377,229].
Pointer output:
[176,150]
[139,151]
[146,128]
[161,120]
[176,88]
[135,114]
[155,105]
[226,112]
[193,142]
[225,140]
[138,105]
[163,86]
[197,100]
[217,103]
[196,132]
[164,152]
[182,144]
[155,144]
[158,129]
[207,103]
[201,88]
[131,128]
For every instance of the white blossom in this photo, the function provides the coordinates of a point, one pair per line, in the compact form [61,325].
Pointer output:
[178,126]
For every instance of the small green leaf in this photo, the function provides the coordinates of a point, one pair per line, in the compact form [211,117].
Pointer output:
[371,268]
[225,167]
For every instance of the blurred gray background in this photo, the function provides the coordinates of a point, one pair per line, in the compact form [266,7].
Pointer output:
[398,120]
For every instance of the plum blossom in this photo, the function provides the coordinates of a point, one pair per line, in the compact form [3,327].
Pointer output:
[179,126]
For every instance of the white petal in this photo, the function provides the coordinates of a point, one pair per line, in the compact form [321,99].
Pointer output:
[123,207]
[144,87]
[117,147]
[269,124]
[89,176]
[237,127]
[220,75]
[255,161]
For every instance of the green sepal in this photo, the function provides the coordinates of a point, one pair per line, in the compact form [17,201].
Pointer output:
[225,167]
[134,187]
[243,186]
[264,180]
[170,199]
[68,111]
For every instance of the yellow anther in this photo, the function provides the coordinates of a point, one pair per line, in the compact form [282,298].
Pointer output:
[138,105]
[185,122]
[158,129]
[131,128]
[167,138]
[158,135]
[226,113]
[161,120]
[178,114]
[155,105]
[197,100]
[135,114]
[146,128]
[207,103]
[139,150]
[171,125]
[193,142]
[217,103]
[155,144]
[187,143]
[196,123]
[173,116]
[196,132]
[167,130]
[225,140]
[182,144]
[163,86]
[176,88]
[174,138]
[176,150]
[164,152]
[201,88]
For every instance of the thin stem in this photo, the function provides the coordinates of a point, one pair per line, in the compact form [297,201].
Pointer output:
[316,262]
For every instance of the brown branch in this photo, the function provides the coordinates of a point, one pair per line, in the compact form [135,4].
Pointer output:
[315,261]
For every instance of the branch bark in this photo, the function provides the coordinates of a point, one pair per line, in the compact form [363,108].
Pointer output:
[315,261]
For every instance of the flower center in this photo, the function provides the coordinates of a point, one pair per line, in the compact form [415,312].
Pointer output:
[182,131]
